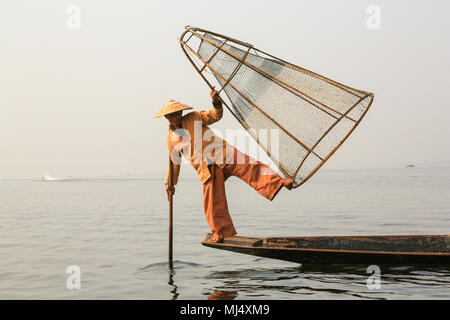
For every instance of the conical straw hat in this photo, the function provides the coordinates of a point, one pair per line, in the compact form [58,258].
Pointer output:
[170,107]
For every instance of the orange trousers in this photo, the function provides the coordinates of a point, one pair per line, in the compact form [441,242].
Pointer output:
[259,176]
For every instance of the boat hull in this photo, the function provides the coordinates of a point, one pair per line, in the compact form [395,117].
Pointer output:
[404,250]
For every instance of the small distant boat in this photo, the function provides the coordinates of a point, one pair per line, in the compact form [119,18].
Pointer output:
[49,178]
[427,249]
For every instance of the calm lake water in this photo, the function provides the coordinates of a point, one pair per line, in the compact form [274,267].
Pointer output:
[115,231]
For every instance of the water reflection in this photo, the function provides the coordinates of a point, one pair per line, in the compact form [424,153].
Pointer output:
[332,281]
[223,295]
[266,281]
[174,292]
[159,269]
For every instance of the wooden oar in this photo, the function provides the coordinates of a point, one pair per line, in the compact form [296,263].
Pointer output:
[170,196]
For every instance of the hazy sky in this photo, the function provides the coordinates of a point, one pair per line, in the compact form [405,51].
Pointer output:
[81,102]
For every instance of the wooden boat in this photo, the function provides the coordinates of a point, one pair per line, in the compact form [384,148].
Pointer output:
[427,249]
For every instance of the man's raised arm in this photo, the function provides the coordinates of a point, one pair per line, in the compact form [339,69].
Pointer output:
[215,113]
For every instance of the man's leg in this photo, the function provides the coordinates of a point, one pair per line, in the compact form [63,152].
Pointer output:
[215,204]
[258,175]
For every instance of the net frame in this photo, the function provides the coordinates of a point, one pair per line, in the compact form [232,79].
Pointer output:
[364,97]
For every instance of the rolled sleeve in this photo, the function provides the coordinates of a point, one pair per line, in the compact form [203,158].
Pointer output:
[211,116]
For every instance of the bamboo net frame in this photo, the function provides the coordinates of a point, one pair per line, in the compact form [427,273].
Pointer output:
[314,114]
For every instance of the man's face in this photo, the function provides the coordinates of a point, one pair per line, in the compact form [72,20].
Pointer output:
[174,118]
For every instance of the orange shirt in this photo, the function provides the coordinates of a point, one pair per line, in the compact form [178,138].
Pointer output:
[198,144]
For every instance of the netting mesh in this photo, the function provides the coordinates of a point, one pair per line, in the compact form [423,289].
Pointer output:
[313,114]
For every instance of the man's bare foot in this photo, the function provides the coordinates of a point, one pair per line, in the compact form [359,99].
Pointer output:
[216,239]
[288,183]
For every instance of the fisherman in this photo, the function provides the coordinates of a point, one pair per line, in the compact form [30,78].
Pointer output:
[215,161]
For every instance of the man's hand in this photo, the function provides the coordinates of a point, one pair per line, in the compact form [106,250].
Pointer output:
[215,96]
[170,191]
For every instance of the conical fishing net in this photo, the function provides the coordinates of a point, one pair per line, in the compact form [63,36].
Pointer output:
[311,115]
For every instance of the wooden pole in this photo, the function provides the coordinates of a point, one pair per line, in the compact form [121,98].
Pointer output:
[170,213]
